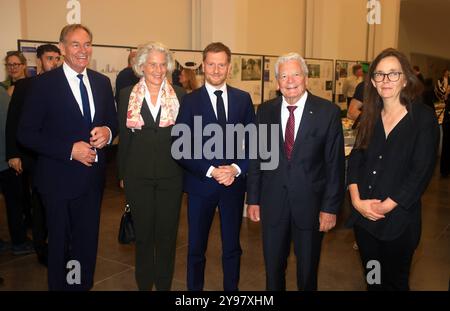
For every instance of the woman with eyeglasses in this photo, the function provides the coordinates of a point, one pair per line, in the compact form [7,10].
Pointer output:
[16,68]
[389,169]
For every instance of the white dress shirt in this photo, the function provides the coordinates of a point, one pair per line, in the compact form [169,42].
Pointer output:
[154,109]
[211,89]
[74,83]
[213,97]
[297,113]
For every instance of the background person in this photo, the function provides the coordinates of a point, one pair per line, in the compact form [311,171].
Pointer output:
[348,89]
[16,69]
[126,77]
[188,80]
[21,159]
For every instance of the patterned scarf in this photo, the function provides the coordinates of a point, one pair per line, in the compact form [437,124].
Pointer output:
[169,105]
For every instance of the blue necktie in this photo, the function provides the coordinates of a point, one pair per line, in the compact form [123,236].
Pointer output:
[85,101]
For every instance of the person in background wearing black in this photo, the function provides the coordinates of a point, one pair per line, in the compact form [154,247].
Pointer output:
[16,68]
[21,159]
[126,77]
[389,169]
[418,74]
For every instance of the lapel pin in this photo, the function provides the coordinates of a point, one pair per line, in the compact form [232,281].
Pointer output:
[310,112]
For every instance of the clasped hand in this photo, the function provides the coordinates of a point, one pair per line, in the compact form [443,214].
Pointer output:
[375,209]
[86,152]
[224,174]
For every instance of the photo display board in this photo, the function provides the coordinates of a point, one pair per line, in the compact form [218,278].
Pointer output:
[269,80]
[246,74]
[320,77]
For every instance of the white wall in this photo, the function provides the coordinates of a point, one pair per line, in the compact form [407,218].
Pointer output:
[10,25]
[114,22]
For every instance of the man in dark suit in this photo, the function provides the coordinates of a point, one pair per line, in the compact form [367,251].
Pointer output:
[126,77]
[298,200]
[21,159]
[68,118]
[217,181]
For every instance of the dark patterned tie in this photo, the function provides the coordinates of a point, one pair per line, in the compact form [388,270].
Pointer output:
[289,133]
[85,101]
[220,107]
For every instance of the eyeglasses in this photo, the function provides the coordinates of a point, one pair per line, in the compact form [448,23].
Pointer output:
[393,76]
[13,65]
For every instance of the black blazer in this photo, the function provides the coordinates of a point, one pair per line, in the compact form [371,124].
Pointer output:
[145,153]
[313,180]
[52,122]
[13,148]
[399,167]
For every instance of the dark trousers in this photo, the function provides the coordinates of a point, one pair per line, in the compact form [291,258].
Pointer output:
[394,258]
[12,189]
[201,211]
[155,206]
[73,226]
[277,245]
[39,222]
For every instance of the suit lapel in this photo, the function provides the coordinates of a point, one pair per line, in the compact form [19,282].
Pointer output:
[95,94]
[276,119]
[207,108]
[232,109]
[67,91]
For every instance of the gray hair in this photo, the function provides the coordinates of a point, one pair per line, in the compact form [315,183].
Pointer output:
[288,57]
[145,49]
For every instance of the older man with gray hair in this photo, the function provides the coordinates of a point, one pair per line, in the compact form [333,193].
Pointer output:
[298,200]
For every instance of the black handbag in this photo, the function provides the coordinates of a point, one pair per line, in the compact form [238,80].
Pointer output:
[126,229]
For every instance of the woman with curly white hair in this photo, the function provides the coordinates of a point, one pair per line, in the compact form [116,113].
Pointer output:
[151,178]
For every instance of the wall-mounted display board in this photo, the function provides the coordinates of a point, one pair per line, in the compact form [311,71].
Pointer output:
[106,59]
[269,80]
[320,77]
[246,74]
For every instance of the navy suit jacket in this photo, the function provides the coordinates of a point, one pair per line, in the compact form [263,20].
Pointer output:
[240,111]
[313,180]
[52,122]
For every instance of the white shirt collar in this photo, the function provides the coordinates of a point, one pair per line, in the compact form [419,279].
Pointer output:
[300,102]
[69,72]
[211,89]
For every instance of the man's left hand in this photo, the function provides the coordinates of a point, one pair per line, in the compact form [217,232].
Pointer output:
[99,137]
[327,221]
